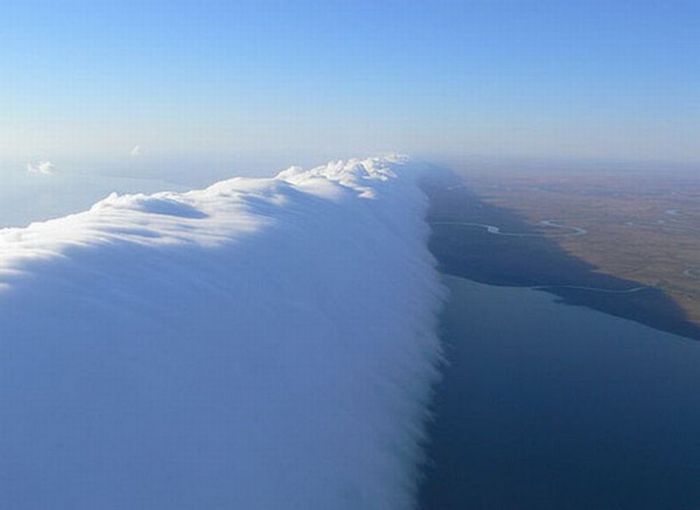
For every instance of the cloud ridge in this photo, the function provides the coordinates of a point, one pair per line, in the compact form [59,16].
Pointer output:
[261,343]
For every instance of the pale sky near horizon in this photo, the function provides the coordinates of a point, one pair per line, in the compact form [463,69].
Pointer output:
[86,80]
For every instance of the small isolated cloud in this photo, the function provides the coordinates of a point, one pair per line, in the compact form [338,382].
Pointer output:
[41,167]
[136,151]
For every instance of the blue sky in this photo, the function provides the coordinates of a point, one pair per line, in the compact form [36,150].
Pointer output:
[541,79]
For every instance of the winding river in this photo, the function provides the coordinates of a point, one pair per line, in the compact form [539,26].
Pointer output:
[493,229]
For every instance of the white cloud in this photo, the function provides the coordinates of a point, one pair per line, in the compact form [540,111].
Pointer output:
[262,343]
[41,167]
[136,151]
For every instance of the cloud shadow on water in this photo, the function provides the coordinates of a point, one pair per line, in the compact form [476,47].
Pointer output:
[472,252]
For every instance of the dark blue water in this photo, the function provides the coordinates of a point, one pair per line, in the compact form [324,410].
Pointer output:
[546,405]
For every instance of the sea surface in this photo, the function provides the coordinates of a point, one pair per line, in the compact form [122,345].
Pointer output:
[546,405]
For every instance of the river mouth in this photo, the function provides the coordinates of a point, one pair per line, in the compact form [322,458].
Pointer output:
[545,405]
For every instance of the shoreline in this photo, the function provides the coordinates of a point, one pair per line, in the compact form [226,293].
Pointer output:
[559,407]
[527,258]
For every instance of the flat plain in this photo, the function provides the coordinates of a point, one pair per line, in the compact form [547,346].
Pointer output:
[626,242]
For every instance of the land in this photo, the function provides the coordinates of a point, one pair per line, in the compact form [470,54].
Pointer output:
[624,242]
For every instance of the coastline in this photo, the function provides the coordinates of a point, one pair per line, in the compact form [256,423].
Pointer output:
[559,407]
[493,245]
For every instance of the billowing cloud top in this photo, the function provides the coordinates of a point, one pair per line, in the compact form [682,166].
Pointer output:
[262,343]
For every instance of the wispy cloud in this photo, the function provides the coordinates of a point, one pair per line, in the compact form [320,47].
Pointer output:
[136,151]
[41,167]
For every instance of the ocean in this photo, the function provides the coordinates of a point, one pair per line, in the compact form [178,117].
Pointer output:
[548,405]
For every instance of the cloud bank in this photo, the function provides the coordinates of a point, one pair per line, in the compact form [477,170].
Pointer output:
[262,343]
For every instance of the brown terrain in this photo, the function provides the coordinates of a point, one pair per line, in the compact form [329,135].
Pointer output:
[639,227]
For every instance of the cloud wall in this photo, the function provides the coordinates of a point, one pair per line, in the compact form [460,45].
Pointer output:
[262,343]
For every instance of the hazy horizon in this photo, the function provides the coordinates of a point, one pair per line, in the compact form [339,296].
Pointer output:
[120,82]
